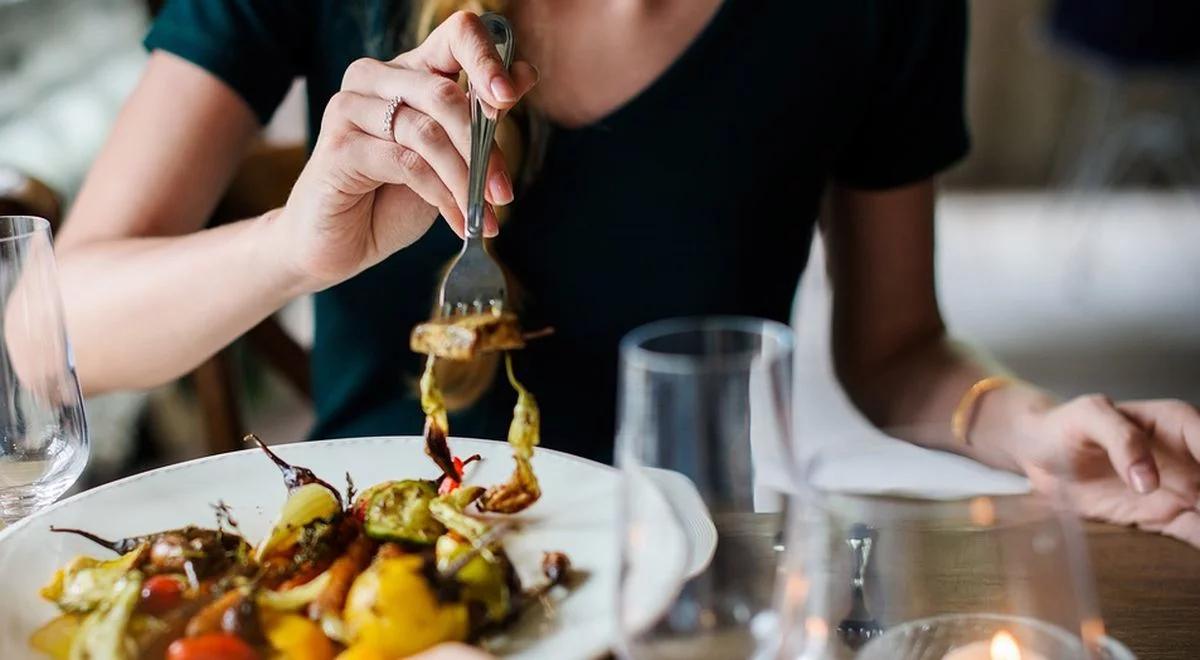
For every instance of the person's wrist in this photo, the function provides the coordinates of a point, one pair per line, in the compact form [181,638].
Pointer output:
[275,255]
[1009,425]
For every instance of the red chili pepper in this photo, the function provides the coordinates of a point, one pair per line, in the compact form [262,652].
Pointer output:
[449,485]
[160,594]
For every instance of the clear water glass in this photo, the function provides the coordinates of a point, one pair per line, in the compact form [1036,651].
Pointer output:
[43,431]
[702,444]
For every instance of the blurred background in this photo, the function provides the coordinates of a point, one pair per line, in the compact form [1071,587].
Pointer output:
[1068,239]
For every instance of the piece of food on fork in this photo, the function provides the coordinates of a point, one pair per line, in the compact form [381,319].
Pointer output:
[465,337]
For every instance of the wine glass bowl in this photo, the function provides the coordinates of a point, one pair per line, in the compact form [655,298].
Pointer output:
[43,430]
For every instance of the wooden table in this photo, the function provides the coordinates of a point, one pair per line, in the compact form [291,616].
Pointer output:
[1149,591]
[1148,586]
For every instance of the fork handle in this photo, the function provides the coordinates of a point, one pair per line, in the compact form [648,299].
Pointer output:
[483,126]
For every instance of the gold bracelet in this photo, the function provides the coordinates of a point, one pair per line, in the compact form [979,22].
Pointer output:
[964,413]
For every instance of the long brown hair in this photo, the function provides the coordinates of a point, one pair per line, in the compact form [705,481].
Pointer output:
[391,27]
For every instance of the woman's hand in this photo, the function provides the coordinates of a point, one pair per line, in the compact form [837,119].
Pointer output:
[371,189]
[453,651]
[1134,463]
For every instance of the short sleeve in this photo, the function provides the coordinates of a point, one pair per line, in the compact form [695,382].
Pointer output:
[257,47]
[913,124]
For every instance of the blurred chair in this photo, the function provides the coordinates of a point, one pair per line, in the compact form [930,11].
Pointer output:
[21,194]
[1125,46]
[262,183]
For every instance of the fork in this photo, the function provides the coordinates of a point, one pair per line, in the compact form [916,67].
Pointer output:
[474,282]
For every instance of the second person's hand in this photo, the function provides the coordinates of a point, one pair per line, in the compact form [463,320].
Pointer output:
[371,189]
[1132,462]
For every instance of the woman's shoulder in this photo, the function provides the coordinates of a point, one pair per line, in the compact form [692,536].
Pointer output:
[255,47]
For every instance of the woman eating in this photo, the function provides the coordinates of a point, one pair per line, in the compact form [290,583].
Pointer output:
[658,159]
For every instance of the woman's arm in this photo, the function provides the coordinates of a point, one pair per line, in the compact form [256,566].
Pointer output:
[1134,462]
[890,344]
[147,295]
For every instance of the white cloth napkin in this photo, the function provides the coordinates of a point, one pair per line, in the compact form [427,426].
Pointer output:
[850,454]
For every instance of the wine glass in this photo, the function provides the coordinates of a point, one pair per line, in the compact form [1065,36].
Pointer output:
[922,569]
[43,431]
[702,443]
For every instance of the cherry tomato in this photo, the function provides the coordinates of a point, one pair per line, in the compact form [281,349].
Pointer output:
[161,593]
[214,646]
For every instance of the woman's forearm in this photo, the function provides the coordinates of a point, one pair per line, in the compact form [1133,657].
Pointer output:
[142,311]
[915,394]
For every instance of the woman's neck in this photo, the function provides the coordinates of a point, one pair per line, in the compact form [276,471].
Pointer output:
[596,55]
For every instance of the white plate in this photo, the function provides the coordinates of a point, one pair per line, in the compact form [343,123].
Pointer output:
[576,515]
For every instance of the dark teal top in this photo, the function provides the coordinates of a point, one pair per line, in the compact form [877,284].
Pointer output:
[698,196]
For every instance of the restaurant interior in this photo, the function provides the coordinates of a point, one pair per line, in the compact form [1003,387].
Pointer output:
[1067,245]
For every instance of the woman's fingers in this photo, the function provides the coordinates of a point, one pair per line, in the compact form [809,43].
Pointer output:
[462,43]
[1174,423]
[368,158]
[499,184]
[418,131]
[1165,511]
[452,651]
[1185,527]
[499,187]
[436,96]
[439,98]
[1096,419]
[414,130]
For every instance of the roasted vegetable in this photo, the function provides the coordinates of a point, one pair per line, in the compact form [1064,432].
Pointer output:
[394,608]
[208,619]
[161,593]
[86,582]
[449,509]
[293,637]
[304,505]
[363,652]
[56,637]
[465,337]
[294,476]
[449,485]
[521,489]
[197,550]
[406,567]
[120,546]
[242,619]
[328,605]
[399,511]
[103,634]
[154,634]
[437,424]
[556,566]
[296,598]
[484,580]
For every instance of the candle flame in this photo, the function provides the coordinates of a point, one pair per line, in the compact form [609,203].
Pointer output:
[816,628]
[1004,647]
[982,511]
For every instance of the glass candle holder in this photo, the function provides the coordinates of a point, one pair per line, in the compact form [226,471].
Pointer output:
[983,578]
